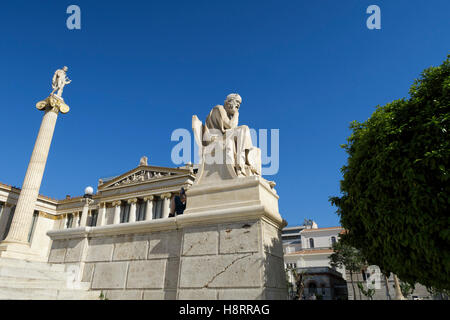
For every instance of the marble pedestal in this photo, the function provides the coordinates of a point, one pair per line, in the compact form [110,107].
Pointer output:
[227,245]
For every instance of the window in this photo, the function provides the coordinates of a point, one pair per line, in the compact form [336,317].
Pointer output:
[311,242]
[92,219]
[140,210]
[8,224]
[33,225]
[312,288]
[125,213]
[333,240]
[69,221]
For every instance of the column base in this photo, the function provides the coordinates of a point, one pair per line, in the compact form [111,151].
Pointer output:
[18,250]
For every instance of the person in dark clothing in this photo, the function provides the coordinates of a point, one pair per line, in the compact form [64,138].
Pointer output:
[178,204]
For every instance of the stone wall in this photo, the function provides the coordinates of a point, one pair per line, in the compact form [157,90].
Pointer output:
[238,260]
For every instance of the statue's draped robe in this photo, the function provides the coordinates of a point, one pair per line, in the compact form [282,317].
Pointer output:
[218,122]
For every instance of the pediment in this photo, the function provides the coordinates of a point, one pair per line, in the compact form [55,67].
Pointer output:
[141,174]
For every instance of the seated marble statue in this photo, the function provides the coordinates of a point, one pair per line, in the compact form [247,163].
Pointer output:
[221,130]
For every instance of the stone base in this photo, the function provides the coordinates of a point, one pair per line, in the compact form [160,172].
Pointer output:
[229,251]
[19,250]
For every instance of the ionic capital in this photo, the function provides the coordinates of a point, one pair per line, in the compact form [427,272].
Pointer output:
[117,203]
[149,198]
[167,195]
[132,201]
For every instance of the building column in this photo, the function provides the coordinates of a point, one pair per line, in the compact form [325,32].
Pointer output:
[116,205]
[166,204]
[76,219]
[132,203]
[64,221]
[149,208]
[102,214]
[85,212]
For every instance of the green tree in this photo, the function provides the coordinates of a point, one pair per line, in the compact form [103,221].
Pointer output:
[299,279]
[395,188]
[406,288]
[369,293]
[346,256]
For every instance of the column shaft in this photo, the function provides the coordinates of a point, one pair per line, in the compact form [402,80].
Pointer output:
[102,215]
[166,205]
[149,208]
[116,205]
[21,223]
[84,214]
[132,203]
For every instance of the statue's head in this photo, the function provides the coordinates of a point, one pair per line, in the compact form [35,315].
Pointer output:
[232,103]
[65,68]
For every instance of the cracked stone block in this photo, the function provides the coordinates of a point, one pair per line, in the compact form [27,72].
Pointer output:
[131,247]
[221,271]
[164,245]
[74,250]
[57,251]
[205,294]
[124,294]
[275,294]
[272,240]
[241,294]
[109,275]
[100,250]
[200,241]
[88,271]
[239,237]
[274,273]
[160,295]
[171,273]
[148,274]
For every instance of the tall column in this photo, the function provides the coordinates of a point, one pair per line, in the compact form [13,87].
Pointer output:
[102,214]
[85,212]
[116,205]
[30,188]
[166,204]
[132,203]
[17,239]
[149,208]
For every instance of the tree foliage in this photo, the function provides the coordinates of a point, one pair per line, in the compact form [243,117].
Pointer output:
[395,188]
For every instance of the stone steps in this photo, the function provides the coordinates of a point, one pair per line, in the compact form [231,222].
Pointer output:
[29,280]
[7,293]
[29,273]
[31,264]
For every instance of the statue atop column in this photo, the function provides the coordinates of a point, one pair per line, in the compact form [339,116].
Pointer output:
[56,101]
[225,148]
[59,81]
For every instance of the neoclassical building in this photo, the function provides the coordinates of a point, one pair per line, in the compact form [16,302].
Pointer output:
[141,194]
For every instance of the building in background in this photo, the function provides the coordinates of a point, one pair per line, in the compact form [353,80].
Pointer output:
[307,249]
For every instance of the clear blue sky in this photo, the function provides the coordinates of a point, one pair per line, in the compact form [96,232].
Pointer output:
[140,69]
